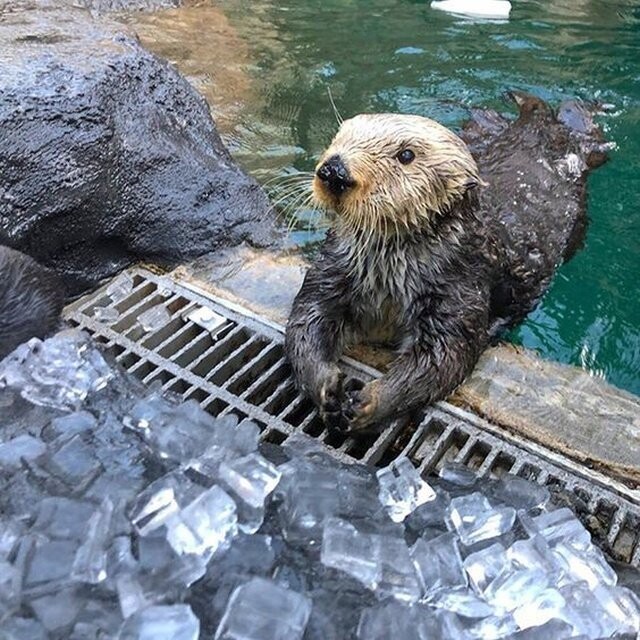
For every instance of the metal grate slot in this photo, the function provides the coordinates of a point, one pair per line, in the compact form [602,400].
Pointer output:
[236,365]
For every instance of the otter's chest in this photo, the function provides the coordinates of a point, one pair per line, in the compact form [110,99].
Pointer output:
[382,296]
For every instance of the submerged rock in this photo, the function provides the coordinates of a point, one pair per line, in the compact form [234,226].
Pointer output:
[108,155]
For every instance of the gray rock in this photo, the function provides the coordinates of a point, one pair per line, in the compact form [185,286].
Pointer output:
[108,6]
[108,155]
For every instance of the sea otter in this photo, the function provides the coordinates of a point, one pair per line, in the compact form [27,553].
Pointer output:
[436,247]
[31,300]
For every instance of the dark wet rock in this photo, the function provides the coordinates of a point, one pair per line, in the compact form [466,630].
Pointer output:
[108,156]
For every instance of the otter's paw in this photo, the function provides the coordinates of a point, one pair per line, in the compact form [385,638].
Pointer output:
[362,407]
[331,397]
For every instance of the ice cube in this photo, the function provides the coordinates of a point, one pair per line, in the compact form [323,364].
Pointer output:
[475,519]
[299,444]
[72,423]
[553,629]
[120,560]
[485,565]
[583,611]
[402,489]
[358,498]
[90,563]
[154,318]
[556,526]
[9,585]
[519,493]
[23,447]
[393,620]
[533,553]
[106,315]
[461,601]
[263,610]
[494,627]
[309,498]
[547,605]
[587,564]
[244,437]
[514,588]
[158,502]
[51,562]
[120,288]
[205,468]
[10,533]
[59,611]
[100,618]
[621,605]
[176,433]
[59,372]
[381,563]
[346,549]
[439,563]
[251,478]
[397,575]
[430,516]
[458,474]
[22,629]
[207,319]
[248,556]
[168,622]
[163,571]
[389,620]
[208,523]
[130,595]
[74,461]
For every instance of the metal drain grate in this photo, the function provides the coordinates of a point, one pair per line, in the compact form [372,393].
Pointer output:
[231,361]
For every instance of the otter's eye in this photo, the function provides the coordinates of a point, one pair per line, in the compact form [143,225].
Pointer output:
[406,156]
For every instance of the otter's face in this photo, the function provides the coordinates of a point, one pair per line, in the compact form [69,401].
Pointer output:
[388,171]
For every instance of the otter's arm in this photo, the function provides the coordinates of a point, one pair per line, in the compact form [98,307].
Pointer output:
[441,349]
[315,332]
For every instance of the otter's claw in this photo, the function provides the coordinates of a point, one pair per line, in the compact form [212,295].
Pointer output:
[331,399]
[361,406]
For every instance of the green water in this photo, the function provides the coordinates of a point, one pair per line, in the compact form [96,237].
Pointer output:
[399,55]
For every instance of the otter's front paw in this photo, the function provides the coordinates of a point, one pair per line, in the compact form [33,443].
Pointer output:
[331,397]
[362,407]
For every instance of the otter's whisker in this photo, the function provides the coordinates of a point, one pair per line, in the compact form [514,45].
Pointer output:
[293,208]
[336,113]
[294,192]
[291,192]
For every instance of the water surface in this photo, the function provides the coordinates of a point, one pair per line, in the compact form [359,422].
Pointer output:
[265,66]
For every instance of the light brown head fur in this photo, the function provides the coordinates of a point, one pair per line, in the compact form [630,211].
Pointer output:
[388,195]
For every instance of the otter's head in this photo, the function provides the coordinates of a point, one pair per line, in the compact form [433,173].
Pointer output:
[389,171]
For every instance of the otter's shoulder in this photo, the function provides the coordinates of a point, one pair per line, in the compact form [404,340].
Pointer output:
[31,300]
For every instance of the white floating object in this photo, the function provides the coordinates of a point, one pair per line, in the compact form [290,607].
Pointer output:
[475,8]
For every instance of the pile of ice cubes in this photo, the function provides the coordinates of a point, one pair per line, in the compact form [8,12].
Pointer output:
[128,515]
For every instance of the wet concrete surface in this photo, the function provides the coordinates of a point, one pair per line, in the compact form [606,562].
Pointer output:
[561,407]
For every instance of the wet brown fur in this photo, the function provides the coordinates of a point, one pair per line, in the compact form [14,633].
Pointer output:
[31,300]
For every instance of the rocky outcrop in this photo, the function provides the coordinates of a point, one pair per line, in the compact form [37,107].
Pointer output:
[108,156]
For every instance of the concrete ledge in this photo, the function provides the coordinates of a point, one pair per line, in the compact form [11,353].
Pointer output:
[559,406]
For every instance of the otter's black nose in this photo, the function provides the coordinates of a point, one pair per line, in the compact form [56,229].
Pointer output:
[335,175]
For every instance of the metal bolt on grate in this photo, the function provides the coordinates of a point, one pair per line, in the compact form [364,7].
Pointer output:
[230,360]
